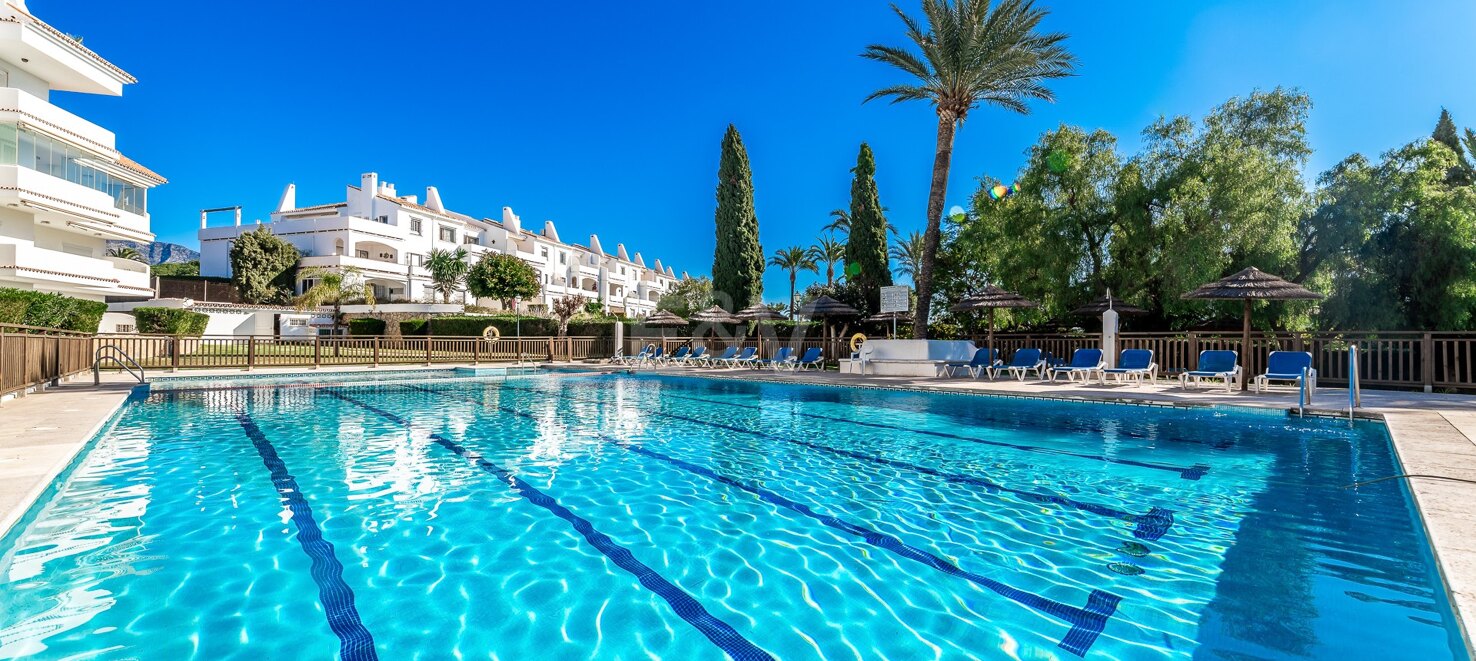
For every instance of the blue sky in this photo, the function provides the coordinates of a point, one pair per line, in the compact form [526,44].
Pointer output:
[607,117]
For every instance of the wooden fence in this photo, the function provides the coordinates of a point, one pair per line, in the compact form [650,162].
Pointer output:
[29,356]
[32,357]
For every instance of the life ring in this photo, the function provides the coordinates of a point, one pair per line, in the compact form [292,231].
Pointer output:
[491,334]
[857,340]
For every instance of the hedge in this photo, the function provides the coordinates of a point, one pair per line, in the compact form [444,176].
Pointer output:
[170,321]
[365,326]
[34,308]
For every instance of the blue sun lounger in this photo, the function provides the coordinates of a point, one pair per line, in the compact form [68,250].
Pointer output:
[780,357]
[983,360]
[744,357]
[1286,366]
[680,355]
[1214,364]
[1084,363]
[1133,364]
[693,358]
[812,358]
[726,355]
[1024,361]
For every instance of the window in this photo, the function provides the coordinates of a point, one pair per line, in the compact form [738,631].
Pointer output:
[545,252]
[387,256]
[622,270]
[297,322]
[362,253]
[448,234]
[470,239]
[124,328]
[563,256]
[415,226]
[34,151]
[383,219]
[413,259]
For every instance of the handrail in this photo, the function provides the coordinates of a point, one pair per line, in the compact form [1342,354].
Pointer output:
[98,358]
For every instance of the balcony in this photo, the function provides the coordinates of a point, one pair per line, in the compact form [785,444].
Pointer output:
[57,58]
[374,268]
[70,207]
[20,107]
[54,270]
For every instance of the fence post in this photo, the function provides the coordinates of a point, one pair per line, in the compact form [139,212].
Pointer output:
[1191,360]
[427,351]
[174,350]
[1427,361]
[376,351]
[317,352]
[551,349]
[250,352]
[477,351]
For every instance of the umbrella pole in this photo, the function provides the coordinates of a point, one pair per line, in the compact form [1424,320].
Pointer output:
[991,334]
[1245,347]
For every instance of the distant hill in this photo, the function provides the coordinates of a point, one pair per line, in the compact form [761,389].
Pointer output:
[159,252]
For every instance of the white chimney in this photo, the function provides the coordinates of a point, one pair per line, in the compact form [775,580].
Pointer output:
[549,231]
[670,273]
[411,199]
[594,245]
[658,266]
[433,199]
[685,276]
[511,222]
[620,252]
[639,261]
[289,199]
[387,189]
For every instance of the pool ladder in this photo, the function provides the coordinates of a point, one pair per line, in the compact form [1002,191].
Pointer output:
[117,355]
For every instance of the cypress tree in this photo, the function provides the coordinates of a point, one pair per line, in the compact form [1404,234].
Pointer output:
[738,261]
[866,247]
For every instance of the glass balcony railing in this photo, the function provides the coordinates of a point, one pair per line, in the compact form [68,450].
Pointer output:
[34,151]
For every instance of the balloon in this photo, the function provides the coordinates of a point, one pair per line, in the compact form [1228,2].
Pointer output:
[1001,192]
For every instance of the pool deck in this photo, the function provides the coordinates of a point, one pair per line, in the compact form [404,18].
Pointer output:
[1434,435]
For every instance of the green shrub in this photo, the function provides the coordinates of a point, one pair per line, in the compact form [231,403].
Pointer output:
[33,308]
[170,321]
[366,326]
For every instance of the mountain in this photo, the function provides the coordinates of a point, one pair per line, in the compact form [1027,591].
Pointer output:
[159,252]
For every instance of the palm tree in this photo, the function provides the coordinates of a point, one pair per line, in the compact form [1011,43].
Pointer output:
[829,251]
[969,56]
[908,254]
[125,252]
[793,259]
[334,287]
[842,222]
[447,270]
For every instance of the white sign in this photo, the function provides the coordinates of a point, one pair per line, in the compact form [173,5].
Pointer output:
[895,299]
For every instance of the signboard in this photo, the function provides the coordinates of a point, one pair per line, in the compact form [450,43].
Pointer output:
[895,299]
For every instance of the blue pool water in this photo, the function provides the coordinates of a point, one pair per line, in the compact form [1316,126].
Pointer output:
[641,516]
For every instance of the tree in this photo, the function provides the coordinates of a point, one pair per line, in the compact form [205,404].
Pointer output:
[866,244]
[841,222]
[125,252]
[334,287]
[687,296]
[793,259]
[176,269]
[447,271]
[738,261]
[970,55]
[564,309]
[828,251]
[907,252]
[1463,173]
[502,277]
[262,266]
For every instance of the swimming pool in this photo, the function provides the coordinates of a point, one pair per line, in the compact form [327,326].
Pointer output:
[625,516]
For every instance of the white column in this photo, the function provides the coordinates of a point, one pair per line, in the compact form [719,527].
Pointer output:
[1109,337]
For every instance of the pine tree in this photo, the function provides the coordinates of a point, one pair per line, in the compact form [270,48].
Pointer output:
[866,245]
[738,261]
[1463,173]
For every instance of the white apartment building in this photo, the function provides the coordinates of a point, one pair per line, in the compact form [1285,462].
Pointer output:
[65,189]
[387,236]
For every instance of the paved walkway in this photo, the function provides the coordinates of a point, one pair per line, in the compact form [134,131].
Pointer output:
[1434,435]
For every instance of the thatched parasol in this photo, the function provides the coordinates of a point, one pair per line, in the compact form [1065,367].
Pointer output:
[663,319]
[890,317]
[826,308]
[715,315]
[992,298]
[1251,284]
[759,312]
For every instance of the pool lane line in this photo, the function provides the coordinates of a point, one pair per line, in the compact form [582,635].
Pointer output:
[1189,473]
[1216,445]
[355,642]
[1086,623]
[685,606]
[1151,526]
